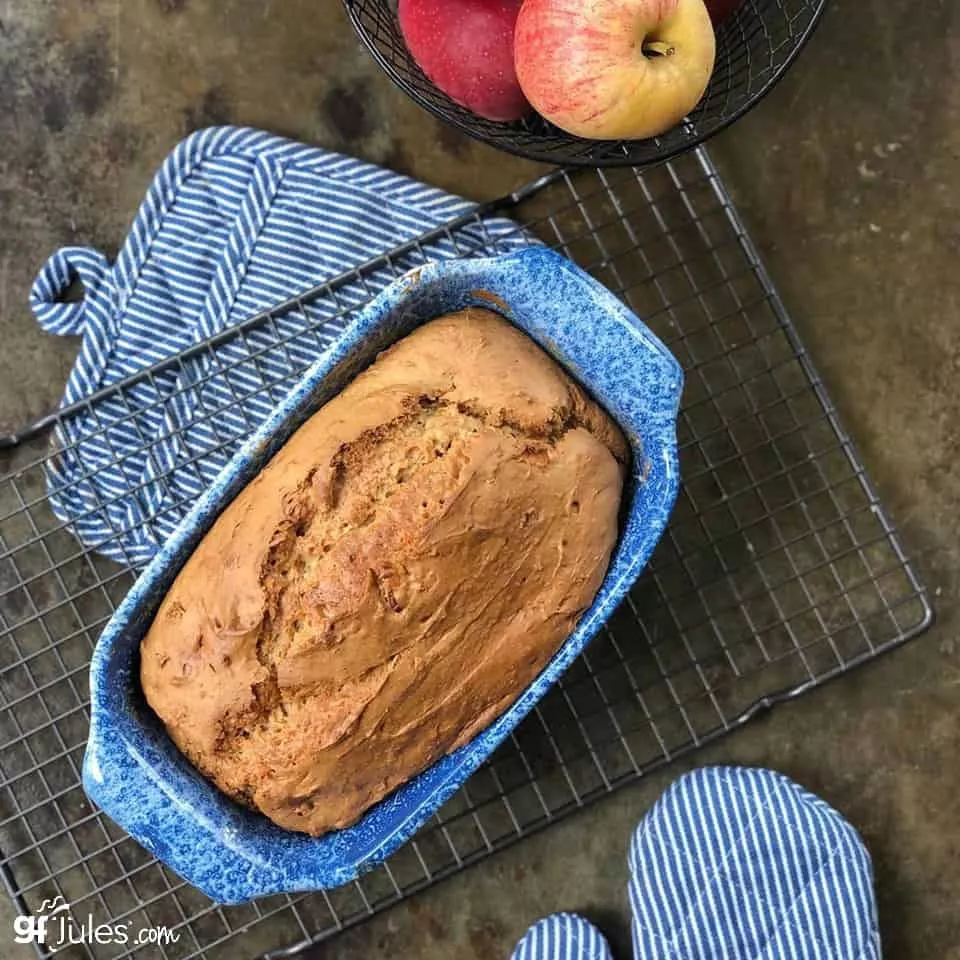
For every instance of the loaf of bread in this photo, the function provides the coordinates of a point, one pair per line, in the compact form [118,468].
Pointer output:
[393,579]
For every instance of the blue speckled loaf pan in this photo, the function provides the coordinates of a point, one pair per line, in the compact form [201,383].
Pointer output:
[133,771]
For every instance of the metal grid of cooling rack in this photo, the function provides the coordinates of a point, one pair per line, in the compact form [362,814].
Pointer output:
[779,570]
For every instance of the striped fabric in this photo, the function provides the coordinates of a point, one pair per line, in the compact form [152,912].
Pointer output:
[235,222]
[743,864]
[735,864]
[563,936]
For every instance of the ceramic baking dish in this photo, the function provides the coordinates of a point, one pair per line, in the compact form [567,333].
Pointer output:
[131,768]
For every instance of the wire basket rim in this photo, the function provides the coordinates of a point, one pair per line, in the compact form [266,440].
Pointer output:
[695,137]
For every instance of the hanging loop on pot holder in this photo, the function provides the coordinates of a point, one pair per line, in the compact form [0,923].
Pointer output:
[64,267]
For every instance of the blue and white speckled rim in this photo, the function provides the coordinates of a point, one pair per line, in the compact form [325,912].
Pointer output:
[131,768]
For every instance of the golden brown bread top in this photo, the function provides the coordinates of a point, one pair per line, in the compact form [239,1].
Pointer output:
[392,580]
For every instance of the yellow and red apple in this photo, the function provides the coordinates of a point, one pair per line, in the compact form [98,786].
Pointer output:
[614,69]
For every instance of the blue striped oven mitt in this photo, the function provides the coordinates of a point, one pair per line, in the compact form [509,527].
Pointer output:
[236,222]
[734,863]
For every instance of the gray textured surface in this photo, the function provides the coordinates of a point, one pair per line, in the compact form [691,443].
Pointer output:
[849,179]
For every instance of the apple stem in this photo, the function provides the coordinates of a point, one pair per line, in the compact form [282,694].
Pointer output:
[659,49]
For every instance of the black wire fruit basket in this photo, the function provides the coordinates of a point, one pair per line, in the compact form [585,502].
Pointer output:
[755,47]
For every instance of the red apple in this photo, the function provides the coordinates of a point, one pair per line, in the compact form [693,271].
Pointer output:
[466,48]
[614,69]
[720,10]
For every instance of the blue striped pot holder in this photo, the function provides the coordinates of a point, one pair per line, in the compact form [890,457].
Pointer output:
[735,864]
[563,936]
[236,221]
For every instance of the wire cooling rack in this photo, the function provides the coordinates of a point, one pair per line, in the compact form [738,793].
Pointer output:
[780,570]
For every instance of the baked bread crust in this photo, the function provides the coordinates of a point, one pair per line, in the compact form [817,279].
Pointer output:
[393,579]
